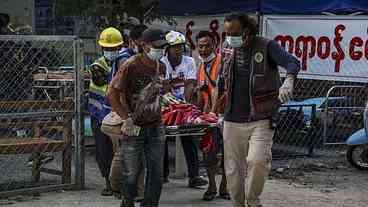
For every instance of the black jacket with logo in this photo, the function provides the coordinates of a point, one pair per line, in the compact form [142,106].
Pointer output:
[264,83]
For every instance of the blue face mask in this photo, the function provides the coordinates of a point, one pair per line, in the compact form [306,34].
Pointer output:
[155,54]
[111,55]
[234,41]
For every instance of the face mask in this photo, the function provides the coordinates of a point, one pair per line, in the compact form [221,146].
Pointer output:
[155,54]
[111,55]
[208,59]
[235,41]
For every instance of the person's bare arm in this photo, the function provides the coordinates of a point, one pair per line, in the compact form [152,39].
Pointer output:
[218,105]
[166,86]
[189,90]
[191,82]
[115,98]
[116,93]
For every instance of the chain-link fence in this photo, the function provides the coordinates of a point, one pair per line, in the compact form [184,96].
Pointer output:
[310,140]
[40,113]
[91,50]
[320,117]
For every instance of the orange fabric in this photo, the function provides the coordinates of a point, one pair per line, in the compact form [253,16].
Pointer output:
[202,79]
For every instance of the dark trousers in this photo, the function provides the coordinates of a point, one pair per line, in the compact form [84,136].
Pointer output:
[191,157]
[150,145]
[104,149]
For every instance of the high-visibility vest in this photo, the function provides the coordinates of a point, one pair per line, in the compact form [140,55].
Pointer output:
[203,80]
[98,106]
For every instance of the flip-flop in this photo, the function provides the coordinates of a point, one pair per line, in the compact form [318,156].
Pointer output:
[106,192]
[139,199]
[224,195]
[197,182]
[209,196]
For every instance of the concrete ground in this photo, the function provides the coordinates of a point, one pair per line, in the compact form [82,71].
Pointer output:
[277,194]
[307,183]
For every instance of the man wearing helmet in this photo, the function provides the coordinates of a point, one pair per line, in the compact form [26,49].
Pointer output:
[101,71]
[182,74]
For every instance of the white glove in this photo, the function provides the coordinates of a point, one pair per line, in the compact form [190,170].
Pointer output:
[287,89]
[129,129]
[220,121]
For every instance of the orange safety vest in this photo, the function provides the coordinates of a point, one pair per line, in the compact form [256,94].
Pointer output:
[202,79]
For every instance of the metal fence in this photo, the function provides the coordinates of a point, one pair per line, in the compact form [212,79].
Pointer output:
[327,117]
[41,86]
[310,140]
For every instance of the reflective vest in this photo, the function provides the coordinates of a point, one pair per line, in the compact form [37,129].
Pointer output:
[207,95]
[98,106]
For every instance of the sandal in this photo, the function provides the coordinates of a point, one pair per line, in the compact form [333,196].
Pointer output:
[196,182]
[106,192]
[139,199]
[224,195]
[209,196]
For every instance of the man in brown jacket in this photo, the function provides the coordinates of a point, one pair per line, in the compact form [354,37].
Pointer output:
[250,93]
[134,94]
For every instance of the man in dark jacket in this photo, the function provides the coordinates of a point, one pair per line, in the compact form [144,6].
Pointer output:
[250,93]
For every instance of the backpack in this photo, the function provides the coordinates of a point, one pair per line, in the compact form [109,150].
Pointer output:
[147,103]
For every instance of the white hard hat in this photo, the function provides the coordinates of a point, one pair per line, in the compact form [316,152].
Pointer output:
[175,38]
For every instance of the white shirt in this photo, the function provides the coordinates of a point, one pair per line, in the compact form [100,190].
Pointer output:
[186,70]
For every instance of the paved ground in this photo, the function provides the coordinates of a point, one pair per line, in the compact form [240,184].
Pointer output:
[277,194]
[307,183]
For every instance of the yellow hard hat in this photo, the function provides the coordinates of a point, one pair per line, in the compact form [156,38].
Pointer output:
[110,37]
[175,38]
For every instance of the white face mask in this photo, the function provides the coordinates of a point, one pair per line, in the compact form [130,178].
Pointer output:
[155,54]
[208,59]
[235,41]
[111,55]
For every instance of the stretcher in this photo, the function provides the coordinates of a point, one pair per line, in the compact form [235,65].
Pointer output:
[184,131]
[187,130]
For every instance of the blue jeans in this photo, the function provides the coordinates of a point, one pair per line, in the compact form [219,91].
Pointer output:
[150,144]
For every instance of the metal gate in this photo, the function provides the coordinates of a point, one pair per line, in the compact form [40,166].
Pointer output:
[41,87]
[343,113]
